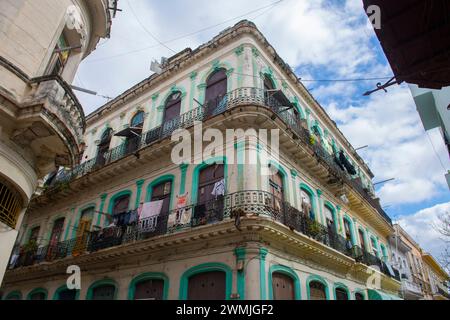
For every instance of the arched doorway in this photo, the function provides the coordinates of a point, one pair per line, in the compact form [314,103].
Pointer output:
[282,286]
[207,286]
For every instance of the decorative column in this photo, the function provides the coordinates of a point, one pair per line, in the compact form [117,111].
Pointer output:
[249,163]
[154,110]
[183,168]
[201,93]
[240,151]
[240,278]
[355,231]
[294,188]
[308,115]
[69,223]
[247,67]
[340,220]
[238,51]
[193,76]
[262,272]
[256,77]
[139,184]
[102,205]
[319,200]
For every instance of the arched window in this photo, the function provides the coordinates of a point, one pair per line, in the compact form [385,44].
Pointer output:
[121,204]
[14,296]
[57,231]
[149,289]
[34,234]
[307,198]
[216,89]
[347,230]
[103,147]
[374,246]
[67,294]
[160,192]
[317,290]
[362,240]
[138,120]
[277,190]
[103,292]
[329,218]
[38,294]
[83,228]
[341,294]
[211,188]
[207,286]
[283,286]
[359,296]
[172,109]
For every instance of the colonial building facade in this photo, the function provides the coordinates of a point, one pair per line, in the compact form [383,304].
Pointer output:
[41,121]
[143,227]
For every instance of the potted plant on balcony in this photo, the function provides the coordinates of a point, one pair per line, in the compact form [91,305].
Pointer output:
[312,140]
[29,250]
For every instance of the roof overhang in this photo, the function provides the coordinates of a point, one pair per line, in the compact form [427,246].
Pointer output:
[415,36]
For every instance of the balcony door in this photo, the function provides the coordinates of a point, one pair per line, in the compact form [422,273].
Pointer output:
[162,192]
[317,291]
[171,118]
[83,230]
[207,286]
[277,190]
[209,203]
[216,89]
[283,287]
[151,289]
[103,147]
[104,292]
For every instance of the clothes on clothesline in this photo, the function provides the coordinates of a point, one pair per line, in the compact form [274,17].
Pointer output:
[124,218]
[150,209]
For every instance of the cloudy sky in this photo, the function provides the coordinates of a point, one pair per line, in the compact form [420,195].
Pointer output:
[321,40]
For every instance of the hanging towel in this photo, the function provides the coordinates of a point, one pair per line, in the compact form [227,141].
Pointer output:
[219,188]
[150,209]
[186,216]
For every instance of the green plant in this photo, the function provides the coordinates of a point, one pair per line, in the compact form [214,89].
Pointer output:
[312,140]
[30,246]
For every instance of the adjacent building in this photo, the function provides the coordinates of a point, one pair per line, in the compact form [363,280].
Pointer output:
[41,120]
[141,226]
[437,277]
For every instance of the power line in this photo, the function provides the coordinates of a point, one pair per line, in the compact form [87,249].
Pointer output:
[146,30]
[436,153]
[186,35]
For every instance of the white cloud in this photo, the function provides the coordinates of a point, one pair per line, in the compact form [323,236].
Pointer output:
[421,227]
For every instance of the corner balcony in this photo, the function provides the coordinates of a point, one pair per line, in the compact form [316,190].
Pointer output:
[411,290]
[252,211]
[322,164]
[51,122]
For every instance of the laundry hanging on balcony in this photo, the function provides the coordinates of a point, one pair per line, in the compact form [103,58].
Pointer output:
[219,188]
[182,215]
[148,218]
[350,169]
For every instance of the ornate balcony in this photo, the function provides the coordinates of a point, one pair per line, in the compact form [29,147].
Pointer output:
[233,206]
[312,154]
[51,122]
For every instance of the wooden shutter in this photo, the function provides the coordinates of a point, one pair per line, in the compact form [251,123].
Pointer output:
[173,106]
[207,178]
[57,231]
[103,292]
[162,192]
[149,289]
[341,294]
[207,286]
[216,89]
[283,287]
[317,291]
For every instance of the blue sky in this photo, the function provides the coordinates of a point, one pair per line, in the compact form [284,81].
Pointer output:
[320,39]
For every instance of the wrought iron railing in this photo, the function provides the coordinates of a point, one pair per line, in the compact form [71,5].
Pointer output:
[237,97]
[230,206]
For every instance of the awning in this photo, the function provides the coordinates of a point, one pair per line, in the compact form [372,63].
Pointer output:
[380,295]
[129,132]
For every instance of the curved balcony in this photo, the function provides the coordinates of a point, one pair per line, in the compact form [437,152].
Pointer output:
[236,98]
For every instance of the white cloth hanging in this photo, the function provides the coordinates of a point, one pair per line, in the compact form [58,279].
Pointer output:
[219,188]
[151,209]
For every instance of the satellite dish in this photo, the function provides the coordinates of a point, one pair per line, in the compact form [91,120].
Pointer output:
[155,67]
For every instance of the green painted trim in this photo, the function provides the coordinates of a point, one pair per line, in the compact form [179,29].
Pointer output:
[195,176]
[298,107]
[37,290]
[240,148]
[262,272]
[315,277]
[101,282]
[240,256]
[376,244]
[384,252]
[267,71]
[366,241]
[342,286]
[288,272]
[284,176]
[216,65]
[12,294]
[64,287]
[77,219]
[319,200]
[294,174]
[113,198]
[139,184]
[193,77]
[162,179]
[147,276]
[206,267]
[183,168]
[312,195]
[352,229]
[330,206]
[341,227]
[173,89]
[67,229]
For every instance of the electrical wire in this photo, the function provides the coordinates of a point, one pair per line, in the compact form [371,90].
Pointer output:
[186,35]
[435,152]
[146,30]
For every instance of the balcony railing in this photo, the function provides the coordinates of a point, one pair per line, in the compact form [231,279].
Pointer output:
[230,206]
[237,97]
